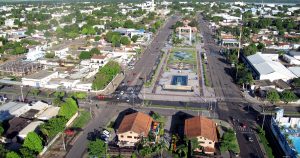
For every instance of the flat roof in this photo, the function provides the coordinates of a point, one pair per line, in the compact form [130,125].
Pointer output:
[12,109]
[30,114]
[39,105]
[48,113]
[295,70]
[29,128]
[40,75]
[15,126]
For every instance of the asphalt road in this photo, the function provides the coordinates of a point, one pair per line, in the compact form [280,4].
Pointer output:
[151,56]
[225,89]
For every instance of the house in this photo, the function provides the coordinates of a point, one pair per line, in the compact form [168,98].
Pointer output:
[62,53]
[133,128]
[13,109]
[204,130]
[35,53]
[15,125]
[290,60]
[49,113]
[267,67]
[9,22]
[39,79]
[29,128]
[295,54]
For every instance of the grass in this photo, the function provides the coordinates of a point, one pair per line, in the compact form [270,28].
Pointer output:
[264,141]
[83,118]
[192,60]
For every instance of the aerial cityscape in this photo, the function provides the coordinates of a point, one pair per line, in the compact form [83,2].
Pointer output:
[149,79]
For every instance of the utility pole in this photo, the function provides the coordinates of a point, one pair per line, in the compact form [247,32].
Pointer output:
[63,139]
[264,117]
[22,93]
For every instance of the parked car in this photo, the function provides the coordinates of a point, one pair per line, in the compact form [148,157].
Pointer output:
[250,139]
[243,125]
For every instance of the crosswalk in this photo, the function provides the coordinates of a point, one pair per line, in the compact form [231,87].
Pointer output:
[243,130]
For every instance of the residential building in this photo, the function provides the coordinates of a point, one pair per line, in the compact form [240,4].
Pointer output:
[49,113]
[13,109]
[204,130]
[31,127]
[62,53]
[133,128]
[39,79]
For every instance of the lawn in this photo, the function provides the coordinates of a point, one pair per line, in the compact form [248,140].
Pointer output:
[190,51]
[83,118]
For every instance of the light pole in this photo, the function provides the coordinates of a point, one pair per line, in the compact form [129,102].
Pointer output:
[264,117]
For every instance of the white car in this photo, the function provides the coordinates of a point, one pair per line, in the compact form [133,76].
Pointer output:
[106,133]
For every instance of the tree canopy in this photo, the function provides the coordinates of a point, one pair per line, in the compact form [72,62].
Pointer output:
[97,148]
[288,96]
[33,142]
[273,96]
[68,108]
[229,142]
[53,126]
[12,154]
[105,75]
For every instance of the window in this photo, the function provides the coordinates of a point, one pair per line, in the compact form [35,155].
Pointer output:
[209,143]
[136,137]
[121,136]
[129,136]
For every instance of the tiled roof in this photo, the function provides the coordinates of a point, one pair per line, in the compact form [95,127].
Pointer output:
[200,126]
[137,122]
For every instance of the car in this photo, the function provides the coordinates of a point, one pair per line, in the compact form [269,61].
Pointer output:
[106,133]
[250,139]
[243,125]
[122,92]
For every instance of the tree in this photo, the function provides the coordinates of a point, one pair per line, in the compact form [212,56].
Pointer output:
[3,151]
[273,96]
[182,150]
[68,108]
[125,40]
[35,91]
[1,129]
[49,55]
[250,50]
[97,38]
[134,38]
[33,142]
[296,82]
[27,153]
[53,126]
[288,96]
[129,24]
[12,154]
[97,148]
[229,142]
[260,46]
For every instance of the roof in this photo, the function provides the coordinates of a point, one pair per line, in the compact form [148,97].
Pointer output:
[39,105]
[282,84]
[11,109]
[294,53]
[200,126]
[96,56]
[40,75]
[263,83]
[30,114]
[137,122]
[52,111]
[29,128]
[295,70]
[15,126]
[264,65]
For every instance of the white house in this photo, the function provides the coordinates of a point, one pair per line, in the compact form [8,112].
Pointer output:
[29,128]
[9,22]
[263,66]
[39,79]
[291,60]
[62,53]
[35,53]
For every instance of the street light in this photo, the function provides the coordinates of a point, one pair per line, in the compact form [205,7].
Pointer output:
[22,93]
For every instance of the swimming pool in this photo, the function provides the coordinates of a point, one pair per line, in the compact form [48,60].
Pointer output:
[179,80]
[296,142]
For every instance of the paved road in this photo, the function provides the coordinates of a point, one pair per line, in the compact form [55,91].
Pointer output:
[151,56]
[226,89]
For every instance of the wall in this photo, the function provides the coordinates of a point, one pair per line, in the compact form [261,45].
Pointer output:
[135,137]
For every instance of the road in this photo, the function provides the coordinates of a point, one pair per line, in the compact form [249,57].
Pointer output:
[150,58]
[225,89]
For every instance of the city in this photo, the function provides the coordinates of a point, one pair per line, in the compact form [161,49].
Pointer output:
[152,78]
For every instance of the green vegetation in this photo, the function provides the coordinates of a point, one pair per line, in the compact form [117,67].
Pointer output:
[206,81]
[12,154]
[288,96]
[273,96]
[88,54]
[50,55]
[105,75]
[33,142]
[35,91]
[264,141]
[68,108]
[97,148]
[82,119]
[53,127]
[190,51]
[229,142]
[296,82]
[78,95]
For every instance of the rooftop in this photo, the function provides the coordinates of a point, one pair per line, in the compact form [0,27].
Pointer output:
[40,75]
[29,128]
[15,126]
[200,126]
[48,113]
[137,122]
